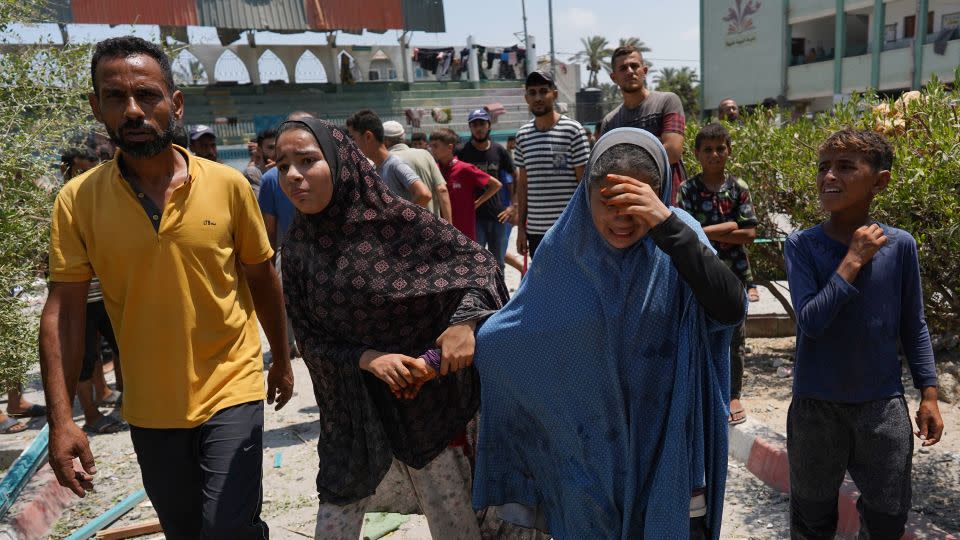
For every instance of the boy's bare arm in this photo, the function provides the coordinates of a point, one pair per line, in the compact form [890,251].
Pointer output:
[716,232]
[739,236]
[493,186]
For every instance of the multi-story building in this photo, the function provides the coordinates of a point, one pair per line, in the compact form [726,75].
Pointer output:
[808,54]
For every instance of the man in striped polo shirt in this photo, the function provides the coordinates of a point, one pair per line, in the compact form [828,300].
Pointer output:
[551,153]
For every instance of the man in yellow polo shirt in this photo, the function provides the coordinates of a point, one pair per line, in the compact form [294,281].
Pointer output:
[183,260]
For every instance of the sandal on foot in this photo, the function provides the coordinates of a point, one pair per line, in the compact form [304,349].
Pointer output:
[11,426]
[33,411]
[105,425]
[740,420]
[114,400]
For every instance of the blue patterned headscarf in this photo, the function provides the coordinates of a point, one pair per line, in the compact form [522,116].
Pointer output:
[605,387]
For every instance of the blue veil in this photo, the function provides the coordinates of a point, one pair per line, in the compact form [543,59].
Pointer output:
[604,386]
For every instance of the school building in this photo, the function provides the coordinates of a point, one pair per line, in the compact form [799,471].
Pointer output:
[808,54]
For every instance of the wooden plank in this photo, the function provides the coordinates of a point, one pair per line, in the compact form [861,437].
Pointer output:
[131,531]
[108,517]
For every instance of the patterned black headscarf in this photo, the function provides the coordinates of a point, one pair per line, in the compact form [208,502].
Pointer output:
[373,271]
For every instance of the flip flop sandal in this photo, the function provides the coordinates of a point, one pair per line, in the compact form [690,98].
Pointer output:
[105,425]
[11,426]
[740,420]
[33,411]
[115,400]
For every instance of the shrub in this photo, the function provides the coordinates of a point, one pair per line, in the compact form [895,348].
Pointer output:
[42,108]
[779,163]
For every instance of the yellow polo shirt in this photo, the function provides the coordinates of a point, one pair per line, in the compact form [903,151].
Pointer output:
[177,298]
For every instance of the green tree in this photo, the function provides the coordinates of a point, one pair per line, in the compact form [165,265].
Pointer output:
[43,109]
[780,164]
[188,71]
[636,44]
[684,83]
[611,96]
[594,54]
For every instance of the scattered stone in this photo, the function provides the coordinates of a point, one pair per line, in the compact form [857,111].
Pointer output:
[777,362]
[949,388]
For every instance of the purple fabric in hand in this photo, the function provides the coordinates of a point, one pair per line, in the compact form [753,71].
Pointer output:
[432,358]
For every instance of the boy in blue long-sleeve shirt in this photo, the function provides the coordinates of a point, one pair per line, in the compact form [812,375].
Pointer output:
[855,286]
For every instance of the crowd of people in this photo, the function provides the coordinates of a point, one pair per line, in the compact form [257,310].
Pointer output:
[592,403]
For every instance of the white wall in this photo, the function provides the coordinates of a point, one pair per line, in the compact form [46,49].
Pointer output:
[747,66]
[817,33]
[897,10]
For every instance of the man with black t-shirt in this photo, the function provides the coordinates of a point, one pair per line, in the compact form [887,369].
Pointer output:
[494,215]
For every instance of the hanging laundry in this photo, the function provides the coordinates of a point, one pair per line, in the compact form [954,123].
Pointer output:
[444,61]
[512,58]
[430,59]
[355,71]
[455,69]
[346,74]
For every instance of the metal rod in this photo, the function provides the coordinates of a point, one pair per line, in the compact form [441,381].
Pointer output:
[23,469]
[108,517]
[526,39]
[553,52]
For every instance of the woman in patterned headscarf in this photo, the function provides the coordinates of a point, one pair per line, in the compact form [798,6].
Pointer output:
[374,286]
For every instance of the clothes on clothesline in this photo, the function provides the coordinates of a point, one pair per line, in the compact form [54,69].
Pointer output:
[444,61]
[434,60]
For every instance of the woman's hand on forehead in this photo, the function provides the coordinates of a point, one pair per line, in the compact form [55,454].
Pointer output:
[635,198]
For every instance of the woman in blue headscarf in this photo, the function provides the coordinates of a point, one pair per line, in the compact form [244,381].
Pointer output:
[605,379]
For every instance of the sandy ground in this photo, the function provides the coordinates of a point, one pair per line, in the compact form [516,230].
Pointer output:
[936,469]
[752,510]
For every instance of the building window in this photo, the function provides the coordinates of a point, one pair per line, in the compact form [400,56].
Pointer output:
[373,75]
[910,25]
[890,33]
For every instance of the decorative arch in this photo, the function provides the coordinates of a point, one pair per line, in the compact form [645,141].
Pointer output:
[271,68]
[188,70]
[230,67]
[310,69]
[381,68]
[349,69]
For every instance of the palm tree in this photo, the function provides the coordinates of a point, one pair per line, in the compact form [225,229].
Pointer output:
[594,54]
[636,44]
[683,82]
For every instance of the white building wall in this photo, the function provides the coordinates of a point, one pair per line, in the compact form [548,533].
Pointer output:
[746,65]
[749,67]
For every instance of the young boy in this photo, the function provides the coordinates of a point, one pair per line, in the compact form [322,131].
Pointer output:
[856,290]
[462,179]
[721,203]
